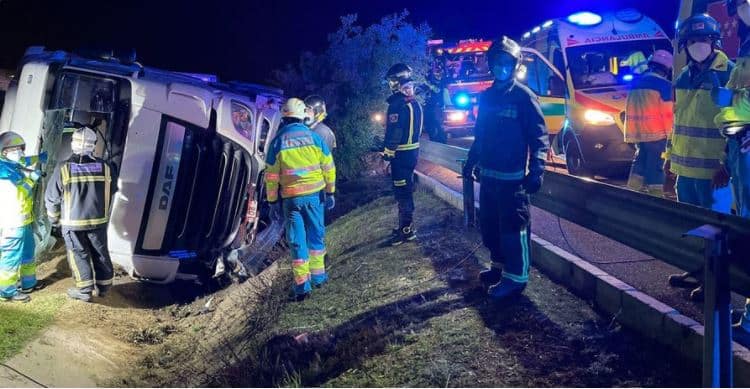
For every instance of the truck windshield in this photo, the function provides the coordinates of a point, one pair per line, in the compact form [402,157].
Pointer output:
[466,67]
[611,64]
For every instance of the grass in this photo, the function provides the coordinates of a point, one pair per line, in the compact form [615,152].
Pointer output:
[414,316]
[19,323]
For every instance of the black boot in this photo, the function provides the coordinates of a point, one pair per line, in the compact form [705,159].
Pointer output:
[78,294]
[102,290]
[506,289]
[490,276]
[684,280]
[406,234]
[697,294]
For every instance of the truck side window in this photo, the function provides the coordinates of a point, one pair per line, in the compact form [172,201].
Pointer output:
[242,118]
[265,128]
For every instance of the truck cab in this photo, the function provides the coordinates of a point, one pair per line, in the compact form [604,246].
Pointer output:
[189,154]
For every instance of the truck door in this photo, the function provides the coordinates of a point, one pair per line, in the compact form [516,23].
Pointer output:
[265,129]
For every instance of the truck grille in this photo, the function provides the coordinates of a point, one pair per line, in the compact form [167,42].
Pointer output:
[209,196]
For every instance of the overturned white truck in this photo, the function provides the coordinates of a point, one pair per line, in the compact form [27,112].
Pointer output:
[189,153]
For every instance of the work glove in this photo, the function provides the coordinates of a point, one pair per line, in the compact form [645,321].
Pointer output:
[667,167]
[36,175]
[276,211]
[722,97]
[330,201]
[388,158]
[720,178]
[43,157]
[532,183]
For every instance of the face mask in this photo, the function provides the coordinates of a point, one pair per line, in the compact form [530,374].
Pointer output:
[700,51]
[502,73]
[15,155]
[743,12]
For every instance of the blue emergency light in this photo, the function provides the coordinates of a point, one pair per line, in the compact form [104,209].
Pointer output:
[462,99]
[585,18]
[627,77]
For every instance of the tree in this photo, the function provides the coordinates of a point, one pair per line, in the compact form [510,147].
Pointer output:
[349,75]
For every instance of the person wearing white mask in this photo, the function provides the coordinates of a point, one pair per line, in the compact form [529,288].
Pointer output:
[696,150]
[17,184]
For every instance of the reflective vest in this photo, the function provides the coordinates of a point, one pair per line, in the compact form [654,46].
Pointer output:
[16,196]
[696,147]
[648,114]
[299,163]
[739,112]
[79,193]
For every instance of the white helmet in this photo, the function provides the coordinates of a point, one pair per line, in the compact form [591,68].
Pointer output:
[663,58]
[83,142]
[294,108]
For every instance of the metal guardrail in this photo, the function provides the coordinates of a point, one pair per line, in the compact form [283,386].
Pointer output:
[720,244]
[652,225]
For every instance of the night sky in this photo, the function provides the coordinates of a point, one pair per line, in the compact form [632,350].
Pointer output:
[247,39]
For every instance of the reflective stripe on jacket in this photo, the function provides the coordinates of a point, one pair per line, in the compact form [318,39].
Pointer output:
[739,112]
[16,196]
[79,193]
[404,124]
[696,147]
[300,163]
[648,114]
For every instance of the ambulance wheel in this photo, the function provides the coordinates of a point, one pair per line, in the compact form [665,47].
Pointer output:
[574,160]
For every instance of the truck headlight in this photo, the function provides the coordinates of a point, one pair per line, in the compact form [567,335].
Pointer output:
[598,118]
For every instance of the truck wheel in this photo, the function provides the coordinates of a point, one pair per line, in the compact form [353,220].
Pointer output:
[574,160]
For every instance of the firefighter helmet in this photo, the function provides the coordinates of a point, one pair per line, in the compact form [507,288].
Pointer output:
[318,107]
[11,140]
[83,141]
[504,45]
[398,75]
[698,26]
[294,108]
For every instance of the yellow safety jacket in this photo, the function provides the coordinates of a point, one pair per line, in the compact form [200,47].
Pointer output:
[300,163]
[739,112]
[648,112]
[696,147]
[16,196]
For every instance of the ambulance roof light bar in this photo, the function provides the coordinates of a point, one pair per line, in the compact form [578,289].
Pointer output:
[585,18]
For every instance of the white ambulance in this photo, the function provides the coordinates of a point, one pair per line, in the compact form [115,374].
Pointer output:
[581,67]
